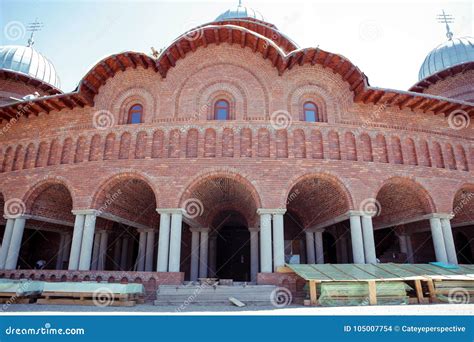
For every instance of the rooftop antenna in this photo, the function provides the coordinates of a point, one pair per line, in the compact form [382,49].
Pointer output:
[446,19]
[33,27]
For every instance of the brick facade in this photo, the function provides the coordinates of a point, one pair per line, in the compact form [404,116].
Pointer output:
[412,162]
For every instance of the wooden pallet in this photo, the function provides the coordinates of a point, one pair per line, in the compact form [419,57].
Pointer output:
[87,298]
[372,298]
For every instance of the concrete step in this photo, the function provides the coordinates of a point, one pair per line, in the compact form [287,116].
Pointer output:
[219,294]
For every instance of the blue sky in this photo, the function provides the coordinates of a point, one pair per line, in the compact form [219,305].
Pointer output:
[387,40]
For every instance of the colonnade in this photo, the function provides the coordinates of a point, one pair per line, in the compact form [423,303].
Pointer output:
[88,247]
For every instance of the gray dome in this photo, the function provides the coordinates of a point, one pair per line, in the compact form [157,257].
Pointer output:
[240,12]
[452,52]
[28,61]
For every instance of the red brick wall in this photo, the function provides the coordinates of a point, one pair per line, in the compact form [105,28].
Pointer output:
[362,146]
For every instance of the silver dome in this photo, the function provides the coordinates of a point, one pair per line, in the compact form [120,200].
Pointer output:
[240,12]
[452,52]
[28,61]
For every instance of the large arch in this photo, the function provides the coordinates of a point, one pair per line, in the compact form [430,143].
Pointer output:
[317,203]
[402,207]
[463,223]
[221,183]
[224,205]
[126,208]
[49,225]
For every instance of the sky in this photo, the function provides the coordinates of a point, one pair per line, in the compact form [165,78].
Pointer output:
[387,40]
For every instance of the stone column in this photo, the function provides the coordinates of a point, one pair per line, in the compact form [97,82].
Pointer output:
[213,255]
[150,244]
[104,239]
[124,253]
[318,240]
[163,241]
[7,236]
[438,239]
[194,254]
[310,255]
[87,241]
[278,240]
[368,237]
[402,240]
[61,251]
[203,252]
[95,251]
[357,240]
[141,251]
[449,241]
[175,240]
[253,254]
[76,242]
[265,241]
[410,256]
[15,243]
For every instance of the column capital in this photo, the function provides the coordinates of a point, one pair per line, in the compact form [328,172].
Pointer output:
[262,211]
[13,217]
[359,213]
[170,210]
[254,230]
[442,216]
[85,212]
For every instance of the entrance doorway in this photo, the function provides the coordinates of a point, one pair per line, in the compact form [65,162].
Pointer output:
[233,249]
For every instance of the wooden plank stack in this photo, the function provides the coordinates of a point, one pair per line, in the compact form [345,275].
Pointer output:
[96,294]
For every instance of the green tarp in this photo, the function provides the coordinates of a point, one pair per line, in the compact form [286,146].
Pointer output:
[389,271]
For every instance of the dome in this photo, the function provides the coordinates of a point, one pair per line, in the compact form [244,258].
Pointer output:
[452,52]
[240,12]
[28,61]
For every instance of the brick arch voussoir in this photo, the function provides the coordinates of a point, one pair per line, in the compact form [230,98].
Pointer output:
[333,179]
[468,200]
[36,189]
[226,173]
[116,179]
[416,187]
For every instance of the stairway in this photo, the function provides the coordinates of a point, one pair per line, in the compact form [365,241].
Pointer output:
[213,295]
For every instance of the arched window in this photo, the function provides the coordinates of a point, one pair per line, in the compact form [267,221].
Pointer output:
[310,112]
[135,114]
[221,110]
